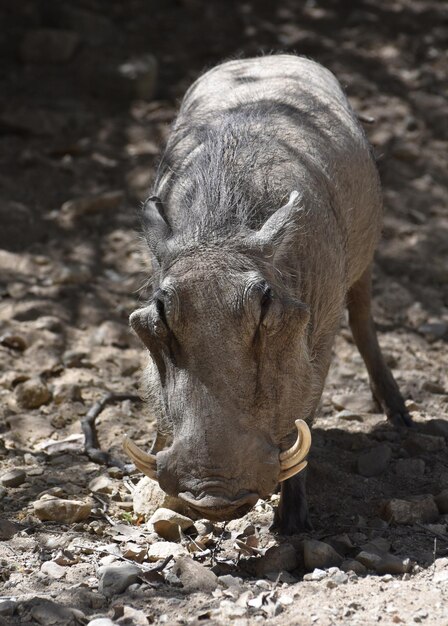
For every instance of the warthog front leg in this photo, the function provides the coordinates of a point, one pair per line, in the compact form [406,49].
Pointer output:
[292,516]
[384,388]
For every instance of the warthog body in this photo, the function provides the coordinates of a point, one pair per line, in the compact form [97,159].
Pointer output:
[251,279]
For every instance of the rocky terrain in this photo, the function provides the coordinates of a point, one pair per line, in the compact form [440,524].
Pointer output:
[87,93]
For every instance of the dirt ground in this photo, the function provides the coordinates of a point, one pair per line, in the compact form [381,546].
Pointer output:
[87,92]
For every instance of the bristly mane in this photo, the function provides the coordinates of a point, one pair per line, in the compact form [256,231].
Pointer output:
[226,184]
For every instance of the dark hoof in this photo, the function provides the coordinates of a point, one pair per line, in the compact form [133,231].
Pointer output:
[291,526]
[401,419]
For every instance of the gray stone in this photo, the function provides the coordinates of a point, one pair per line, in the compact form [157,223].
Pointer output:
[417,443]
[434,330]
[102,484]
[391,564]
[368,559]
[442,501]
[318,554]
[163,549]
[168,524]
[60,510]
[410,467]
[147,497]
[276,559]
[437,427]
[375,461]
[8,529]
[13,478]
[379,546]
[7,608]
[101,621]
[194,576]
[53,570]
[32,394]
[421,509]
[351,565]
[114,579]
[316,574]
[48,46]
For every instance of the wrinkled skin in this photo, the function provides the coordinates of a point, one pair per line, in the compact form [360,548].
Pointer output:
[249,288]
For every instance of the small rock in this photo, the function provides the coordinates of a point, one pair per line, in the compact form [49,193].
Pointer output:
[374,461]
[282,577]
[67,392]
[47,612]
[437,427]
[13,478]
[8,529]
[167,523]
[102,621]
[391,564]
[194,576]
[410,467]
[433,387]
[417,443]
[379,546]
[368,559]
[163,549]
[32,394]
[441,577]
[277,558]
[350,565]
[59,510]
[421,509]
[7,608]
[318,554]
[13,341]
[442,501]
[114,579]
[357,403]
[147,497]
[52,569]
[48,46]
[316,574]
[434,330]
[349,416]
[230,581]
[102,484]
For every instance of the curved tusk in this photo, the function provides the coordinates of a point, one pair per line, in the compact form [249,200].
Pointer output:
[292,471]
[297,452]
[146,463]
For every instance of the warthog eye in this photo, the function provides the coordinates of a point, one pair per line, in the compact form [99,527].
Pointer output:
[159,303]
[265,302]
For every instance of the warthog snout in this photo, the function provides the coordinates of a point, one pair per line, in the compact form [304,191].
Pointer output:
[220,508]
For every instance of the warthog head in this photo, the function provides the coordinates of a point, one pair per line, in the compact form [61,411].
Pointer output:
[229,370]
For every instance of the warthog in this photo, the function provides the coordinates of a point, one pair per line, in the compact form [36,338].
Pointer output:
[262,227]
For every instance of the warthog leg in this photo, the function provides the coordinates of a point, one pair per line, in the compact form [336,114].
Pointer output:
[384,388]
[291,516]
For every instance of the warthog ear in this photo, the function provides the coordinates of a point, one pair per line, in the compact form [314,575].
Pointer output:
[273,237]
[156,227]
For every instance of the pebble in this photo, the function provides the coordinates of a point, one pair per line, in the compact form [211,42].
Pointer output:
[318,554]
[230,581]
[194,576]
[351,565]
[438,427]
[277,558]
[421,509]
[375,461]
[410,467]
[147,497]
[60,510]
[433,330]
[384,564]
[379,546]
[52,569]
[357,403]
[163,549]
[8,529]
[32,394]
[14,342]
[417,443]
[13,478]
[114,579]
[102,484]
[316,574]
[101,621]
[7,608]
[168,524]
[442,501]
